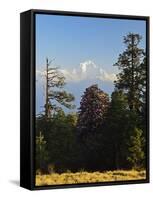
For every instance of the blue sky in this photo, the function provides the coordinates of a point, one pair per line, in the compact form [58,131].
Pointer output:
[84,48]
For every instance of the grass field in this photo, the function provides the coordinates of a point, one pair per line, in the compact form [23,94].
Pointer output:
[89,177]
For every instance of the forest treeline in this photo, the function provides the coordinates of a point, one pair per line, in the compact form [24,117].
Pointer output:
[107,133]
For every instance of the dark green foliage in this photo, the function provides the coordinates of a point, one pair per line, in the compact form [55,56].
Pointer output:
[131,80]
[41,152]
[61,145]
[142,96]
[92,112]
[130,77]
[136,154]
[116,130]
[63,98]
[62,140]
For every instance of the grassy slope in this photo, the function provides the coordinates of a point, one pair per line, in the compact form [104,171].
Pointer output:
[86,177]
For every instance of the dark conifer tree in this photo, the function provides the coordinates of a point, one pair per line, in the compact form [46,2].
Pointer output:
[130,64]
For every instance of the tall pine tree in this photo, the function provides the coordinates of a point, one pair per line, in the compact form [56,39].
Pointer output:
[132,82]
[130,77]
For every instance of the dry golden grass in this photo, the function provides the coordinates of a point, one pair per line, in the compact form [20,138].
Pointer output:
[87,177]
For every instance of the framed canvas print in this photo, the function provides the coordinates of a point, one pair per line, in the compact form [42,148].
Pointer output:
[84,99]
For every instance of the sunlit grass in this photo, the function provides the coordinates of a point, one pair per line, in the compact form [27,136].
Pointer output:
[89,177]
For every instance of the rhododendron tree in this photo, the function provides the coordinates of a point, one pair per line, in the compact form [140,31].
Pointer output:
[93,108]
[91,117]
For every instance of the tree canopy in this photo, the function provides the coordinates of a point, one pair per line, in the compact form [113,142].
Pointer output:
[105,133]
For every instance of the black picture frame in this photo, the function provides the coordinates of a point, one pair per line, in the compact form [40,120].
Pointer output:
[27,97]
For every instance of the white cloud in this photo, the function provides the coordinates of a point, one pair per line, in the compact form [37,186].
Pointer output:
[87,70]
[40,73]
